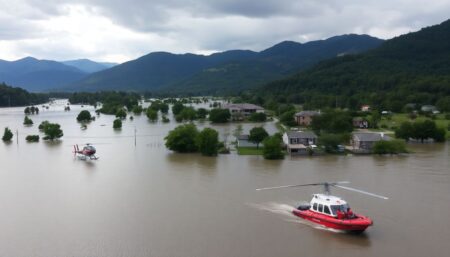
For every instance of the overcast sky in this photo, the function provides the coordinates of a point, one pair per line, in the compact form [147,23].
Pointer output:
[116,30]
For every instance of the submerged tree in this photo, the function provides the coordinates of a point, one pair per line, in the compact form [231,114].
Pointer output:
[272,148]
[257,135]
[27,121]
[208,142]
[52,131]
[182,139]
[84,116]
[7,135]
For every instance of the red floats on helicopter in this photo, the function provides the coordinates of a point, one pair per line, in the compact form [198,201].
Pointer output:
[88,151]
[332,211]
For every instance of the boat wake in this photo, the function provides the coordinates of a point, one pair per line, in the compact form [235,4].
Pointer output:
[285,211]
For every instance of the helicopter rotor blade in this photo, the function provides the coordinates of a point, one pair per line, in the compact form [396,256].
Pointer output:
[301,185]
[278,187]
[361,191]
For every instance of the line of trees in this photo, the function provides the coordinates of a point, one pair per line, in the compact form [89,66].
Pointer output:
[420,130]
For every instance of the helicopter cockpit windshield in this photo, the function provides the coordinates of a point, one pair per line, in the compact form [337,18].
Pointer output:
[342,208]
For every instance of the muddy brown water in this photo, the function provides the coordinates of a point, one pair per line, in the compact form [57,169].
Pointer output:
[144,200]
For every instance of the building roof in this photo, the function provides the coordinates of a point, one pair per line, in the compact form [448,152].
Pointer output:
[244,106]
[243,137]
[301,134]
[307,113]
[370,137]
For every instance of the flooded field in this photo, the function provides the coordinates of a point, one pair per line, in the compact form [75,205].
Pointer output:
[143,200]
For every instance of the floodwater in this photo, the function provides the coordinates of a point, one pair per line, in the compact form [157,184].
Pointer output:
[143,200]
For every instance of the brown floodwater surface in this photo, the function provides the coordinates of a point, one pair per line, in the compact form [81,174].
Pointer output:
[143,200]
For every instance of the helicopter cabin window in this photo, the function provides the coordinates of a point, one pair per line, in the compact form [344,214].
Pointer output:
[326,209]
[321,207]
[342,208]
[315,206]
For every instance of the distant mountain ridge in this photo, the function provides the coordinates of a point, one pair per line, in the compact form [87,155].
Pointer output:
[220,72]
[89,66]
[39,75]
[411,68]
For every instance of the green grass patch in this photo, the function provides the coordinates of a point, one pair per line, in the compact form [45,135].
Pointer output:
[250,150]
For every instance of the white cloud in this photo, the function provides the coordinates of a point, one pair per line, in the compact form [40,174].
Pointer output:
[118,30]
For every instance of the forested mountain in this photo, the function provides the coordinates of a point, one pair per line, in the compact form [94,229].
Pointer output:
[89,66]
[412,68]
[153,71]
[12,96]
[221,72]
[281,60]
[37,75]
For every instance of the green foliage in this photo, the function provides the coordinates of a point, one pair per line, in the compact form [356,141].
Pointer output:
[331,141]
[287,118]
[182,139]
[257,117]
[375,118]
[164,108]
[31,110]
[165,119]
[121,113]
[152,114]
[219,115]
[202,113]
[84,116]
[389,147]
[177,108]
[420,130]
[111,101]
[332,122]
[32,138]
[257,135]
[137,109]
[27,121]
[187,114]
[14,96]
[208,142]
[7,135]
[52,131]
[43,125]
[272,149]
[117,124]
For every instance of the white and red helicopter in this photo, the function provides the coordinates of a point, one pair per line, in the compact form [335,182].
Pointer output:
[88,151]
[331,211]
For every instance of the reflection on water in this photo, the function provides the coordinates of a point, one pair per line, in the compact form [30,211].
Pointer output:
[143,200]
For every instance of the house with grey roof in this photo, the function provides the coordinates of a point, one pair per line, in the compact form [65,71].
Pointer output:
[362,142]
[298,142]
[304,118]
[241,111]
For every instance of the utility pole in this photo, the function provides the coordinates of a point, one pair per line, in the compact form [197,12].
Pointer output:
[17,136]
[134,136]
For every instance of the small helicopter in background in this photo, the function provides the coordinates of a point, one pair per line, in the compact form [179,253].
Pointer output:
[88,151]
[331,211]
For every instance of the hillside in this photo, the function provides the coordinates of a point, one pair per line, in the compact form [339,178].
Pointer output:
[89,66]
[413,68]
[12,96]
[37,75]
[220,72]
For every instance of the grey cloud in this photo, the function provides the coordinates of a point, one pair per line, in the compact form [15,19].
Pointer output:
[215,25]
